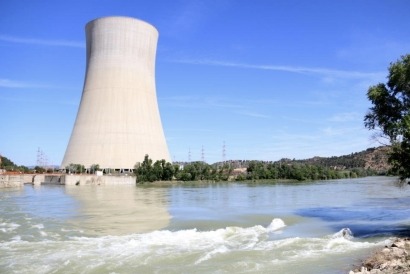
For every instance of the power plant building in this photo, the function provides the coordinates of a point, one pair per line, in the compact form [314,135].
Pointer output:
[118,120]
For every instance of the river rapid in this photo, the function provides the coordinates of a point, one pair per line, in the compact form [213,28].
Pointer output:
[309,227]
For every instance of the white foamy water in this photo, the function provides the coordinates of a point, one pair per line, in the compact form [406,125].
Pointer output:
[226,228]
[228,249]
[7,227]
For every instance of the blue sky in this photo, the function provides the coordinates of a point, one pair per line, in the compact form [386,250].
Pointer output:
[270,79]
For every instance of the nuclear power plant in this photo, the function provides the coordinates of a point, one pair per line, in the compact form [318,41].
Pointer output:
[118,120]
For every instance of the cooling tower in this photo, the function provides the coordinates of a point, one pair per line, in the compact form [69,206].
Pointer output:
[118,119]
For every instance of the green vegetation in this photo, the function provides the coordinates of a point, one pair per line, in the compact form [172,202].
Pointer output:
[390,114]
[75,168]
[94,168]
[79,169]
[294,170]
[159,171]
[147,171]
[39,169]
[200,171]
[9,165]
[349,166]
[372,161]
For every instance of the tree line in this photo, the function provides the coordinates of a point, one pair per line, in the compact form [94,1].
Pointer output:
[160,170]
[294,170]
[9,165]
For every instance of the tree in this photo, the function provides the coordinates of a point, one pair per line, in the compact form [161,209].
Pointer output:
[161,170]
[75,168]
[169,170]
[94,168]
[390,114]
[39,169]
[144,170]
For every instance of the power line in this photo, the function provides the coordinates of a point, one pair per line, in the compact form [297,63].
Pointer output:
[223,152]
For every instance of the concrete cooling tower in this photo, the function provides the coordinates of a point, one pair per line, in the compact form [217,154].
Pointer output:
[118,119]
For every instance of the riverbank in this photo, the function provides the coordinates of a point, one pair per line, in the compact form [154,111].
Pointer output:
[394,258]
[207,182]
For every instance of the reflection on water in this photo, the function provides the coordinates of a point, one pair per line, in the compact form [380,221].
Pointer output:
[117,210]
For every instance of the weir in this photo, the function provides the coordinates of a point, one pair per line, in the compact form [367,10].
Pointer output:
[16,181]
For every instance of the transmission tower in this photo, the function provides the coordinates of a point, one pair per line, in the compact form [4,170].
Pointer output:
[42,160]
[202,154]
[39,157]
[223,152]
[189,155]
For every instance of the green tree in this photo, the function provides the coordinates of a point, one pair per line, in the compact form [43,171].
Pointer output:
[161,170]
[5,162]
[94,168]
[143,170]
[75,168]
[256,170]
[224,172]
[390,113]
[157,171]
[39,169]
[169,171]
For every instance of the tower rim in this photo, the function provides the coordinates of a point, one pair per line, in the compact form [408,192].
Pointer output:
[123,17]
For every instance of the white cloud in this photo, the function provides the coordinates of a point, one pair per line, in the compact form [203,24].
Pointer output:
[198,102]
[345,117]
[323,72]
[253,114]
[7,83]
[42,42]
[331,131]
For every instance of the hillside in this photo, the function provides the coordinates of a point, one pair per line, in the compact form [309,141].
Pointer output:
[374,159]
[371,158]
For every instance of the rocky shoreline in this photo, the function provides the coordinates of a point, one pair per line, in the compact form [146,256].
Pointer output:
[394,258]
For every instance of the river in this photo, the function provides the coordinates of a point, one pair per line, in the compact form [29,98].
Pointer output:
[309,227]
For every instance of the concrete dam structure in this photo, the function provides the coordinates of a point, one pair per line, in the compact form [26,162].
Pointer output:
[118,120]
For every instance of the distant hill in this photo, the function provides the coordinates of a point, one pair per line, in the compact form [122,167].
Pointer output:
[371,158]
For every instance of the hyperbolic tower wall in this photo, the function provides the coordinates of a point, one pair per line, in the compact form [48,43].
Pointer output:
[118,119]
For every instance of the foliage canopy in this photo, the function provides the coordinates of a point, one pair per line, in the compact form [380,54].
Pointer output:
[149,171]
[390,114]
[9,165]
